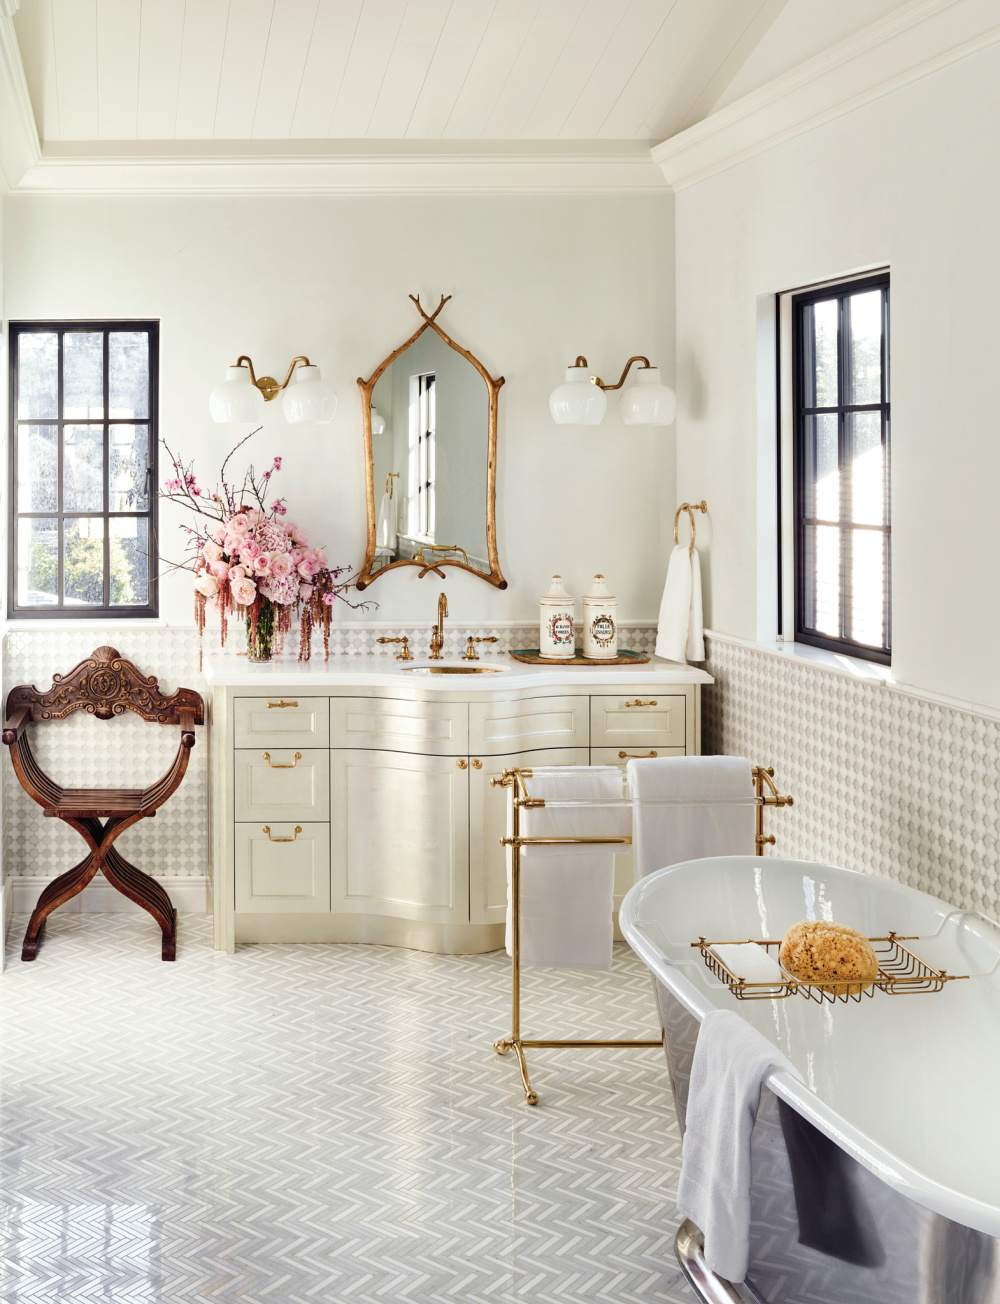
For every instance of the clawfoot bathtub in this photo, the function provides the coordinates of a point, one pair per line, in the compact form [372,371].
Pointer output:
[876,1180]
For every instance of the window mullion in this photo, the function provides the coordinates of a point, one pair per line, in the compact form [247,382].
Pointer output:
[105,472]
[60,439]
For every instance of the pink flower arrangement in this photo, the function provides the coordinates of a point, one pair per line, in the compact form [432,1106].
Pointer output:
[248,562]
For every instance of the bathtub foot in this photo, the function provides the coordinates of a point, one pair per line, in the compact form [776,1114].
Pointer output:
[689,1246]
[502,1045]
[530,1095]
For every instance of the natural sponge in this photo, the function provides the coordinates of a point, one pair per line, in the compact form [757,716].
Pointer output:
[828,955]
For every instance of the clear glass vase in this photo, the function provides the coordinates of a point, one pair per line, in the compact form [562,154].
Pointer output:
[260,641]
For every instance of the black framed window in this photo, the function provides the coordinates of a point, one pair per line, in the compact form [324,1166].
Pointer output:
[841,458]
[83,422]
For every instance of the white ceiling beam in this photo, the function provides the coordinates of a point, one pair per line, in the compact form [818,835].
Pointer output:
[909,43]
[20,149]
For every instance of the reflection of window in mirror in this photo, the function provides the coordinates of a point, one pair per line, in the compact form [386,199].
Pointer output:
[423,421]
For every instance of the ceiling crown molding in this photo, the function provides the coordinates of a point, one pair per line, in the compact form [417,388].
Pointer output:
[19,144]
[917,39]
[342,167]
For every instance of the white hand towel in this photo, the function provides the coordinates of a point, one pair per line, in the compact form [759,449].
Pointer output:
[675,607]
[567,893]
[722,825]
[385,530]
[731,1061]
[695,646]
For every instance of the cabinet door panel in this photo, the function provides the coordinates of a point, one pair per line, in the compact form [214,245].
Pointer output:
[638,721]
[500,728]
[400,835]
[282,784]
[284,872]
[425,728]
[488,824]
[281,721]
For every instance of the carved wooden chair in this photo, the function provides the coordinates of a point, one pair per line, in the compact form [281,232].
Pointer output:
[104,685]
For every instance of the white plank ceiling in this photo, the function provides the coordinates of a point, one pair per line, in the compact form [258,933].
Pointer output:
[420,70]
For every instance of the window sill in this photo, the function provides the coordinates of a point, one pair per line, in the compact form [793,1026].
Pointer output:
[838,663]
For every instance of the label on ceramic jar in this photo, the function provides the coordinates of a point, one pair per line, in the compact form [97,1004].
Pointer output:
[561,628]
[602,630]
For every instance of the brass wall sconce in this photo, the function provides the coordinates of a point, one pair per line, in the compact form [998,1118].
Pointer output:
[582,398]
[242,394]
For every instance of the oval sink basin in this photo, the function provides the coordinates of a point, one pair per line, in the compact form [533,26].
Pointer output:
[454,670]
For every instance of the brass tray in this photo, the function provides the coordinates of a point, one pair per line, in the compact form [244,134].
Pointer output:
[534,658]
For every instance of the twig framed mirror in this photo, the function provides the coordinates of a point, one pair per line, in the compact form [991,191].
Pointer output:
[431,440]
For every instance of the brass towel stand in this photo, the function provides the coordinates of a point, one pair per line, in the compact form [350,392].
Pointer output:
[690,508]
[513,779]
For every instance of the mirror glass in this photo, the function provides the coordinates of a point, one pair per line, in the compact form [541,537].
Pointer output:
[430,455]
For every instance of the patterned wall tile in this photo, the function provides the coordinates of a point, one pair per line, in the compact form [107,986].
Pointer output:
[883,781]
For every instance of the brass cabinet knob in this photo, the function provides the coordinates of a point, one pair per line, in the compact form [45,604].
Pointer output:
[477,765]
[462,764]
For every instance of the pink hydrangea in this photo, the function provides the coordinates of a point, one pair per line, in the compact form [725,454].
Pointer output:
[244,591]
[282,591]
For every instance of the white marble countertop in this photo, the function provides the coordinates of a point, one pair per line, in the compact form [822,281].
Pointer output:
[226,670]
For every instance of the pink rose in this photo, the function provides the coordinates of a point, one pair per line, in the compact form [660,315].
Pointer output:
[306,590]
[244,591]
[281,565]
[298,535]
[208,585]
[236,573]
[307,567]
[238,524]
[232,545]
[319,555]
[211,551]
[219,569]
[217,532]
[296,555]
[262,564]
[249,548]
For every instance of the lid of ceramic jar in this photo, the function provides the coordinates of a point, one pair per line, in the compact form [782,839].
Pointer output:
[599,591]
[558,590]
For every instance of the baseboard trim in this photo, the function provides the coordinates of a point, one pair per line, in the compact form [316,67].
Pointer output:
[189,895]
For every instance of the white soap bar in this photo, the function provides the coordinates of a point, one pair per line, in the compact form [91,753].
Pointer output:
[750,961]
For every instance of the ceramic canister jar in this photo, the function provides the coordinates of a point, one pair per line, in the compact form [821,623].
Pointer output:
[600,622]
[556,634]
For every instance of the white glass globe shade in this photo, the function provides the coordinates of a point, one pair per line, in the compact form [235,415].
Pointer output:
[378,421]
[648,402]
[237,398]
[577,402]
[308,399]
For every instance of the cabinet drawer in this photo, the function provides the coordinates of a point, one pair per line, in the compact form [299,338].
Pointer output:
[282,784]
[289,721]
[424,728]
[639,721]
[613,755]
[499,727]
[284,871]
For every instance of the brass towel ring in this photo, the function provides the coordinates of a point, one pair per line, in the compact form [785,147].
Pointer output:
[690,508]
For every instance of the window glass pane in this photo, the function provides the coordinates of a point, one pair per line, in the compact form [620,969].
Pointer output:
[129,452]
[83,374]
[38,562]
[83,468]
[822,560]
[129,561]
[822,474]
[37,375]
[867,587]
[83,565]
[820,328]
[865,362]
[37,468]
[128,374]
[867,471]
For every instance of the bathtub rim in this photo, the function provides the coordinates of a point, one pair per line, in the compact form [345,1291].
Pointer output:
[895,1172]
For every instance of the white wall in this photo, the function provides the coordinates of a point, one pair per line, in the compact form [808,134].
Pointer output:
[535,281]
[907,181]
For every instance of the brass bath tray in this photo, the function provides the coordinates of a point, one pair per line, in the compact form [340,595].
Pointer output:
[534,658]
[900,972]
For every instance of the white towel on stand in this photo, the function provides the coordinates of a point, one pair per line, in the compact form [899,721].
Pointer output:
[567,893]
[695,647]
[675,607]
[731,1061]
[681,828]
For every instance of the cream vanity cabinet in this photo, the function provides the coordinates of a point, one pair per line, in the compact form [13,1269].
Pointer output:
[353,806]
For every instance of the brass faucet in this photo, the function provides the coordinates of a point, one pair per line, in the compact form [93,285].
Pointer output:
[437,633]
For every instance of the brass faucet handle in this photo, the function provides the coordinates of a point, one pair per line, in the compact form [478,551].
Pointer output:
[404,654]
[470,652]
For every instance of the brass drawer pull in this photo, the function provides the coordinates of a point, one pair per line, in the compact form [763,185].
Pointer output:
[462,765]
[271,838]
[639,702]
[477,765]
[271,705]
[281,765]
[636,756]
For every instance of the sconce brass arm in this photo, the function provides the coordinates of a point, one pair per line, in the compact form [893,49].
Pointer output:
[267,385]
[596,380]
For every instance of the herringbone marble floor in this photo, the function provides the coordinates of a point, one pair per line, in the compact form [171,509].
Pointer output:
[296,1124]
